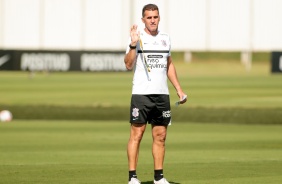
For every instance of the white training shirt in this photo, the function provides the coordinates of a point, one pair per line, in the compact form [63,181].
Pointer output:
[156,50]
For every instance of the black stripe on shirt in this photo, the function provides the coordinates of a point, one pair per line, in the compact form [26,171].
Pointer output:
[153,51]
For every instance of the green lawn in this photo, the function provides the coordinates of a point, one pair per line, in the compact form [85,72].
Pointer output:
[208,84]
[95,152]
[73,127]
[218,91]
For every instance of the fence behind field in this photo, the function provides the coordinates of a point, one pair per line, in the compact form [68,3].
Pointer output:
[194,25]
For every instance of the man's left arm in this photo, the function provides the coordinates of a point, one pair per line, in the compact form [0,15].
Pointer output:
[172,76]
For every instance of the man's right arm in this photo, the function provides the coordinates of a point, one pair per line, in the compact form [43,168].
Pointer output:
[130,56]
[129,59]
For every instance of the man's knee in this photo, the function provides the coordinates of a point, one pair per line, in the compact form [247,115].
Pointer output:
[159,134]
[137,132]
[160,137]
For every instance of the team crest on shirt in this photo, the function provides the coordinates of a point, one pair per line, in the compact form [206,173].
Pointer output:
[135,112]
[164,43]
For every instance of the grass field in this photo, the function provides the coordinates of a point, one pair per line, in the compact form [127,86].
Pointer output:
[82,152]
[73,127]
[218,91]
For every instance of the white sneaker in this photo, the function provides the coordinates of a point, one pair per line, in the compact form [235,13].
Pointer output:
[161,181]
[134,181]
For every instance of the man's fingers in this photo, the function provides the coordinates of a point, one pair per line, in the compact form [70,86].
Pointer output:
[181,101]
[184,99]
[134,28]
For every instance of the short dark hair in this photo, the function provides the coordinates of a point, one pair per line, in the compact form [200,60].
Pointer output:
[151,7]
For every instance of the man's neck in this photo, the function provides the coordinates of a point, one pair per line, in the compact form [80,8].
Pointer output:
[153,33]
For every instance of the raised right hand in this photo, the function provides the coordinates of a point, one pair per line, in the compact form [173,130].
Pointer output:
[134,34]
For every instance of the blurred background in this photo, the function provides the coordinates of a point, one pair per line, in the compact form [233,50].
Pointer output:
[243,26]
[224,51]
[194,25]
[65,88]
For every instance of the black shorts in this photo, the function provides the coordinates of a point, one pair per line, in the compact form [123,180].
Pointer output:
[152,109]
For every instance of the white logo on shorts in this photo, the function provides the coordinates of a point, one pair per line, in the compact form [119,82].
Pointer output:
[135,112]
[166,114]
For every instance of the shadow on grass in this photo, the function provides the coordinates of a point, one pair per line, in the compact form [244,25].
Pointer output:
[150,182]
[189,114]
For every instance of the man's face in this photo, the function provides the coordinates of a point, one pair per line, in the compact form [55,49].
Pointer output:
[151,20]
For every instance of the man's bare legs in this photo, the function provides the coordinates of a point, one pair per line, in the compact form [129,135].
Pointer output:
[158,151]
[136,134]
[158,147]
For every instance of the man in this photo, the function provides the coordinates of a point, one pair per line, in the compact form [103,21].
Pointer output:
[149,55]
